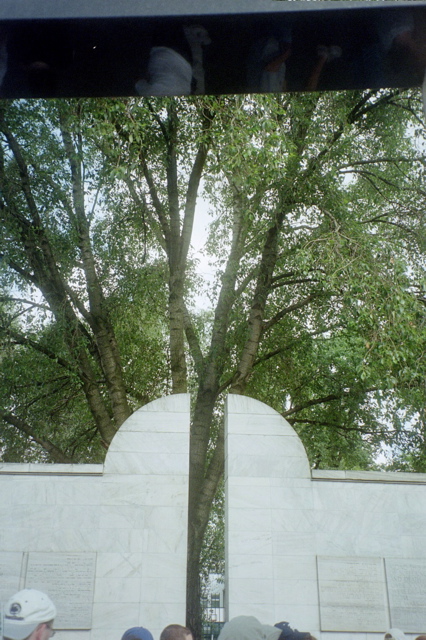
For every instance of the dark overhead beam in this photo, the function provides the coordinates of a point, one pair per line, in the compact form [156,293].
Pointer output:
[67,48]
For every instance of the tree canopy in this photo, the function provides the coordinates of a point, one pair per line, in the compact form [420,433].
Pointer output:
[315,237]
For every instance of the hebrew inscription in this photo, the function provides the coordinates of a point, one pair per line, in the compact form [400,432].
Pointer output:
[352,594]
[406,580]
[70,577]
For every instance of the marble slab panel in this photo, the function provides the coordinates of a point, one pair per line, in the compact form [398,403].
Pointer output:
[406,580]
[413,523]
[267,466]
[261,566]
[266,424]
[248,542]
[380,545]
[269,445]
[356,497]
[29,517]
[158,491]
[8,491]
[123,517]
[16,539]
[119,565]
[65,540]
[163,565]
[144,517]
[376,497]
[160,590]
[293,520]
[160,518]
[248,495]
[293,591]
[286,497]
[302,567]
[413,547]
[125,589]
[367,523]
[249,520]
[236,404]
[158,423]
[299,542]
[352,594]
[123,541]
[254,591]
[162,464]
[150,442]
[78,491]
[52,490]
[69,580]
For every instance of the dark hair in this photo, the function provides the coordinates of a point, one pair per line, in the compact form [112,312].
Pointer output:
[175,632]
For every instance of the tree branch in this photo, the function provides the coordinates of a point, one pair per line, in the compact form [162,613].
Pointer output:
[25,341]
[267,324]
[29,302]
[330,398]
[23,427]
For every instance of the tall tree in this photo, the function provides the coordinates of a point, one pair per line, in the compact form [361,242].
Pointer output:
[295,251]
[316,239]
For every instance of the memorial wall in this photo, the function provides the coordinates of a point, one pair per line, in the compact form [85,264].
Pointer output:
[106,542]
[339,554]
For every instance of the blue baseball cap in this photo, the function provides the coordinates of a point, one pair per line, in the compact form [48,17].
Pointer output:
[287,633]
[137,633]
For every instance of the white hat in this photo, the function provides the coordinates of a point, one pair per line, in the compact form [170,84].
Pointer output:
[248,628]
[395,634]
[25,611]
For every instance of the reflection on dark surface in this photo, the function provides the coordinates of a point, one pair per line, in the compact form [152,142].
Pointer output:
[324,50]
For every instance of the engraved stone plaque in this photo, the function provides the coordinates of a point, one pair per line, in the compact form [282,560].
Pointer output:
[68,578]
[406,580]
[352,594]
[10,574]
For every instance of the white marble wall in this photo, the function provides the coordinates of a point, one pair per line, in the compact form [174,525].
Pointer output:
[130,512]
[298,545]
[282,523]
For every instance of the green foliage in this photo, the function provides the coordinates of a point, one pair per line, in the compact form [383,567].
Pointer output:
[41,380]
[316,306]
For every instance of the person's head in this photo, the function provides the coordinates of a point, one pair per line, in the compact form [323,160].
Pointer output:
[137,633]
[29,614]
[287,633]
[395,634]
[248,628]
[176,632]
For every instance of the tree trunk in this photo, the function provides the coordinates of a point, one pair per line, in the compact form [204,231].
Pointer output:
[203,483]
